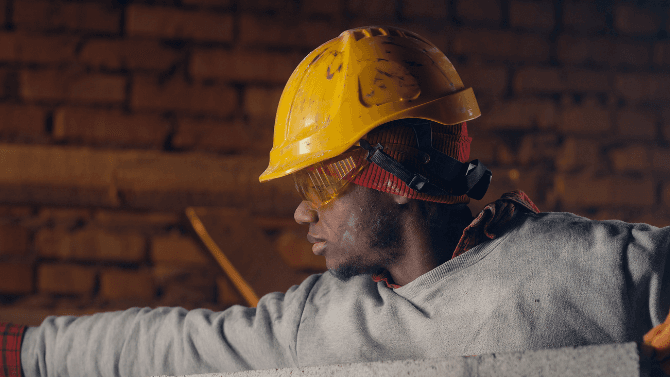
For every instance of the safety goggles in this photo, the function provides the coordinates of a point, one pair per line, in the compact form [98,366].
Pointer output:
[322,182]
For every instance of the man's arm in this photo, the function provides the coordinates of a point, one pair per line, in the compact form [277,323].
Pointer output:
[169,341]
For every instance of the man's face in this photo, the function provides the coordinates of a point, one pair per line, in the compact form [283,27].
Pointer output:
[359,232]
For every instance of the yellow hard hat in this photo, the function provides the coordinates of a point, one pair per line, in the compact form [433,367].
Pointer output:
[351,84]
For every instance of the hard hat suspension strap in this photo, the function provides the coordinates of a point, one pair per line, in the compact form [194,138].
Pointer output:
[448,175]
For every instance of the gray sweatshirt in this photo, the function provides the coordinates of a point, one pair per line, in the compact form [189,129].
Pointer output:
[553,280]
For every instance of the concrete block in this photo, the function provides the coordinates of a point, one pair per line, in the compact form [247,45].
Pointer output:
[600,360]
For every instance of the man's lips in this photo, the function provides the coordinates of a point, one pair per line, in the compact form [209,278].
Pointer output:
[319,244]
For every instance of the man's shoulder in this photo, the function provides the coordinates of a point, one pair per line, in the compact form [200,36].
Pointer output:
[571,228]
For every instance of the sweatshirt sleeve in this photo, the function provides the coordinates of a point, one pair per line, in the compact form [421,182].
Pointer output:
[648,262]
[169,341]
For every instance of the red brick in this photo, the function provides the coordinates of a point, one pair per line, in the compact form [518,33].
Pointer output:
[237,234]
[376,9]
[220,136]
[520,114]
[22,122]
[589,118]
[179,95]
[633,20]
[13,240]
[535,79]
[532,15]
[587,80]
[65,279]
[602,50]
[508,180]
[7,47]
[127,284]
[16,212]
[179,250]
[296,251]
[90,244]
[484,148]
[227,294]
[607,191]
[128,54]
[577,154]
[54,85]
[284,6]
[243,66]
[56,175]
[636,124]
[636,54]
[484,80]
[46,15]
[666,194]
[17,278]
[266,30]
[332,8]
[173,23]
[62,218]
[214,3]
[665,123]
[661,159]
[662,53]
[424,9]
[658,218]
[583,16]
[107,127]
[261,102]
[135,221]
[537,147]
[227,177]
[642,87]
[630,158]
[37,49]
[500,44]
[191,291]
[479,10]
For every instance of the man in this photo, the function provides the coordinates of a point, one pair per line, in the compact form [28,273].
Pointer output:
[371,126]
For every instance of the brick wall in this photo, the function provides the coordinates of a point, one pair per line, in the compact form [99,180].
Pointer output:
[117,115]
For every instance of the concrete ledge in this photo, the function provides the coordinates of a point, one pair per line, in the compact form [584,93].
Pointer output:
[602,360]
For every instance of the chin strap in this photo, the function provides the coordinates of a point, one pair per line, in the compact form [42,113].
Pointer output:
[448,176]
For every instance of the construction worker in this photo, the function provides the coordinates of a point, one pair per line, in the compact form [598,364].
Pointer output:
[371,127]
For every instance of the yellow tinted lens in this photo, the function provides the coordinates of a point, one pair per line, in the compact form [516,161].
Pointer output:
[323,182]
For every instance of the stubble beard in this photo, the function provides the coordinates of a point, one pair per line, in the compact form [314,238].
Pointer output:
[386,241]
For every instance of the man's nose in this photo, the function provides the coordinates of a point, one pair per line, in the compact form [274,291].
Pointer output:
[305,213]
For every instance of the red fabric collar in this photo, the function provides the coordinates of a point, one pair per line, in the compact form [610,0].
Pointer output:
[10,349]
[488,225]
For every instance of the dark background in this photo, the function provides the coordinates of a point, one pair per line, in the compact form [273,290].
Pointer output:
[116,116]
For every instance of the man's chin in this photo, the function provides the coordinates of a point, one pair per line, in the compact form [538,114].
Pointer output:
[345,272]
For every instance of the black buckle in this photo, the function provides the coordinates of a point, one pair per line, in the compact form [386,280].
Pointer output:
[417,182]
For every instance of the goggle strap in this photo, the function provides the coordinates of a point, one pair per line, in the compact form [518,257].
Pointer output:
[454,177]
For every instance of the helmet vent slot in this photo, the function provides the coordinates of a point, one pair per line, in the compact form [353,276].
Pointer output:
[376,32]
[358,35]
